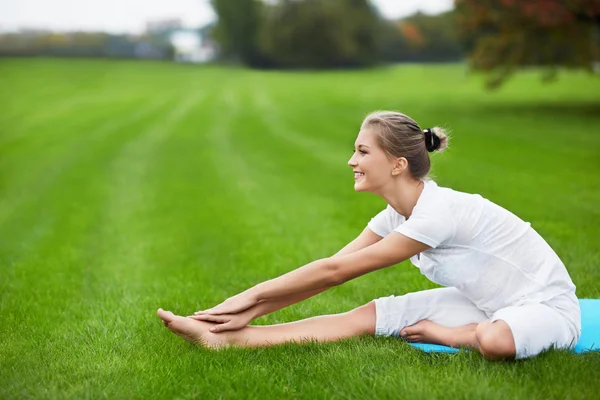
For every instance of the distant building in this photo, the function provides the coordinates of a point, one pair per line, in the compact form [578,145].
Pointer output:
[164,26]
[193,45]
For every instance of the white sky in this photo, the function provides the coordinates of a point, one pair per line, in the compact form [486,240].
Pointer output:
[120,16]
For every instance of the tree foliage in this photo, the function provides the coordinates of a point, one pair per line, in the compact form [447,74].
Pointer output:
[329,34]
[298,33]
[321,34]
[85,44]
[422,38]
[503,35]
[238,28]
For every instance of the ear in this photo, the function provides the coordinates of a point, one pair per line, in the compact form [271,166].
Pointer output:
[399,166]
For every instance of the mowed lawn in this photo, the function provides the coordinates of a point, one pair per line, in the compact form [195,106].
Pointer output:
[128,186]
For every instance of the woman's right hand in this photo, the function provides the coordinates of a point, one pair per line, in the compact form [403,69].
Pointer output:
[227,322]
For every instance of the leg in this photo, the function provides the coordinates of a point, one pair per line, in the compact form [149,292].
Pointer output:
[525,331]
[443,316]
[493,340]
[326,328]
[513,332]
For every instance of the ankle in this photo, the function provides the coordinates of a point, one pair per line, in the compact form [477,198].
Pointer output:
[464,338]
[227,338]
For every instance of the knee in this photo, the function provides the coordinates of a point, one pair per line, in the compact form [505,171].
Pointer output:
[495,340]
[365,311]
[365,318]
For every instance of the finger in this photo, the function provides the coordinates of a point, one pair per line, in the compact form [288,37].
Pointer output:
[217,311]
[213,318]
[220,328]
[197,317]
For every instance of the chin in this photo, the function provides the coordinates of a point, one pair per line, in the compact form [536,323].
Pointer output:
[357,188]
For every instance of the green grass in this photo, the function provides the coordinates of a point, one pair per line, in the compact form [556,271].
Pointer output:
[129,186]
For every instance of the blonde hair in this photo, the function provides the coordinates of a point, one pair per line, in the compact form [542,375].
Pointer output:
[400,136]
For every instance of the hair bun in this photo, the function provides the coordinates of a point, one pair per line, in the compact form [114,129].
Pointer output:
[432,141]
[436,139]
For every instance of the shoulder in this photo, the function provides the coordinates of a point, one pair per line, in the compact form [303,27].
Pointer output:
[391,215]
[431,221]
[448,200]
[385,221]
[434,199]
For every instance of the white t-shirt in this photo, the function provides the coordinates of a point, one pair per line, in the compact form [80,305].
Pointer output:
[489,254]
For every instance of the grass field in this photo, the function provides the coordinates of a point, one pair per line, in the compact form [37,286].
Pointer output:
[129,186]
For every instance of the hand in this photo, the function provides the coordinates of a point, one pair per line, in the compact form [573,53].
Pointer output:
[227,322]
[232,305]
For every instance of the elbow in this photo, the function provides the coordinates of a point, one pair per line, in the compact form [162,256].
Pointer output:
[334,272]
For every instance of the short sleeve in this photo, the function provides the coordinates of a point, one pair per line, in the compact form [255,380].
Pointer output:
[385,222]
[429,225]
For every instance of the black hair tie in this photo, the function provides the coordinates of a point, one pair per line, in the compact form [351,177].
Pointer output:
[432,141]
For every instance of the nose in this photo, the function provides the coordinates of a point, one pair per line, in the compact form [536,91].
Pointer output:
[351,161]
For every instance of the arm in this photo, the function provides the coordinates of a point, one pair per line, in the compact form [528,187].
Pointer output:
[324,273]
[352,261]
[329,272]
[365,239]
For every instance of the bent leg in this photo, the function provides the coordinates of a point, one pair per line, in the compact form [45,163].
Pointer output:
[525,331]
[444,306]
[440,316]
[513,332]
[325,328]
[495,340]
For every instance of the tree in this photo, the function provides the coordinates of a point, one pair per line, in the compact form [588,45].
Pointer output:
[298,33]
[237,29]
[321,34]
[503,35]
[422,38]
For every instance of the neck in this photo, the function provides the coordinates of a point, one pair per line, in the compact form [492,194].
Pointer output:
[402,194]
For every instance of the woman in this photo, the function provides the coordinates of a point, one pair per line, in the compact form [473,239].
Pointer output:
[506,294]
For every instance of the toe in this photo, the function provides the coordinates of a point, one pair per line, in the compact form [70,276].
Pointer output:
[413,338]
[166,316]
[407,332]
[416,329]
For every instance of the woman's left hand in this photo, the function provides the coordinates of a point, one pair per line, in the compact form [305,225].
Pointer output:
[232,305]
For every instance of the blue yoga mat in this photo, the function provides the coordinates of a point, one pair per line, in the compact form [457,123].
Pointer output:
[590,331]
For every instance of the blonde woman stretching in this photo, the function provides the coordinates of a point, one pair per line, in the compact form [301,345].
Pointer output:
[506,293]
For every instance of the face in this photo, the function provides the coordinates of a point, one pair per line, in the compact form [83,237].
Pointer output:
[371,165]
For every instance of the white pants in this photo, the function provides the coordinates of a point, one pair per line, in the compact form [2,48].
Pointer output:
[535,326]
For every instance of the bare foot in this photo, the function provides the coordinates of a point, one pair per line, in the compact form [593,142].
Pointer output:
[192,330]
[426,331]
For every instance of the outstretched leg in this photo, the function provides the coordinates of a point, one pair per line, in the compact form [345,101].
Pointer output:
[326,328]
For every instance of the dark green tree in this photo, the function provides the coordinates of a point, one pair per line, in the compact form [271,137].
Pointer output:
[321,34]
[238,26]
